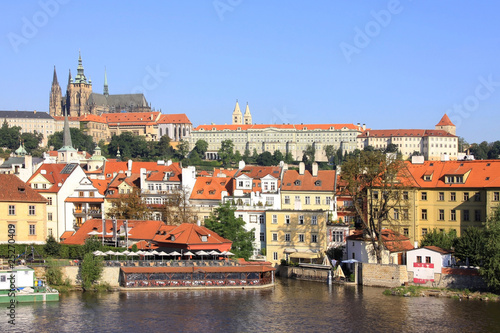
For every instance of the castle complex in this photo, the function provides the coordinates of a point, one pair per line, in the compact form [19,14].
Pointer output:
[80,100]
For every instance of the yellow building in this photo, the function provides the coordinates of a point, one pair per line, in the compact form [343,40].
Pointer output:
[292,234]
[449,195]
[22,212]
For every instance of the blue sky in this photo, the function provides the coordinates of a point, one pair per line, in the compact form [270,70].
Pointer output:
[388,64]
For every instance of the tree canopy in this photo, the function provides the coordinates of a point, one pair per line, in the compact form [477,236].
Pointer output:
[444,240]
[225,224]
[129,206]
[79,139]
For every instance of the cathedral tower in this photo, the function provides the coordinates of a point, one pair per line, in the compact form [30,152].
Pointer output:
[445,124]
[78,92]
[237,115]
[247,117]
[55,100]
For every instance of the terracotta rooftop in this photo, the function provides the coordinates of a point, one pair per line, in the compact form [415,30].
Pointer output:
[403,133]
[445,121]
[191,236]
[126,118]
[179,118]
[13,189]
[210,188]
[51,172]
[393,241]
[277,126]
[293,181]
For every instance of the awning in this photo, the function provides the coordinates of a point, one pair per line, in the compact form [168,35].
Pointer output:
[289,250]
[304,255]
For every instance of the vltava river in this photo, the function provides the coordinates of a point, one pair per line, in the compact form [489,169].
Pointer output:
[291,306]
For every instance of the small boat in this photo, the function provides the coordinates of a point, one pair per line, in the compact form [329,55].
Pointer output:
[19,285]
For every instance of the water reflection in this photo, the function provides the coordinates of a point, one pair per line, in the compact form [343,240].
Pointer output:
[295,306]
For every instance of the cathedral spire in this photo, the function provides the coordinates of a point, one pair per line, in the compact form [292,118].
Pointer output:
[54,78]
[237,116]
[67,134]
[105,91]
[69,77]
[248,116]
[80,76]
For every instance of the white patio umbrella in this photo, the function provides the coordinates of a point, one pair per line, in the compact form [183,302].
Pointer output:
[213,253]
[94,232]
[202,253]
[162,254]
[126,252]
[188,253]
[175,254]
[132,254]
[147,254]
[98,253]
[229,253]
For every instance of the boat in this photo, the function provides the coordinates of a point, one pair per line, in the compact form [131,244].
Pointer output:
[19,285]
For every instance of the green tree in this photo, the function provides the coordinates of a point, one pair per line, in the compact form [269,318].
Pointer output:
[309,155]
[330,152]
[469,245]
[226,153]
[278,157]
[31,141]
[265,159]
[91,244]
[491,254]
[9,136]
[79,139]
[391,148]
[131,146]
[246,156]
[52,247]
[182,149]
[254,156]
[201,146]
[225,224]
[463,145]
[377,186]
[289,158]
[237,156]
[165,149]
[90,270]
[444,240]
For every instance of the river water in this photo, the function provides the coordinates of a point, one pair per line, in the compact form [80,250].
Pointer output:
[291,306]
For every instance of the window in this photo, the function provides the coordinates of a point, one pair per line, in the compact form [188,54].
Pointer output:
[275,219]
[496,196]
[477,196]
[308,200]
[287,199]
[49,217]
[419,259]
[441,214]
[91,194]
[318,200]
[405,195]
[406,232]
[261,219]
[405,214]
[314,238]
[297,198]
[424,195]
[424,214]
[262,237]
[269,201]
[287,219]
[328,200]
[441,196]
[80,194]
[50,232]
[477,215]
[466,216]
[396,214]
[466,196]
[424,231]
[314,220]
[49,201]
[375,195]
[453,196]
[301,219]
[32,230]
[275,236]
[12,210]
[275,255]
[301,238]
[287,237]
[453,215]
[427,260]
[31,210]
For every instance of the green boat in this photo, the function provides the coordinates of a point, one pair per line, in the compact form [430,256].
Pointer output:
[19,285]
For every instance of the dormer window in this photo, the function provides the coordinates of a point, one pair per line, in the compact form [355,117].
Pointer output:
[204,238]
[317,183]
[297,183]
[172,238]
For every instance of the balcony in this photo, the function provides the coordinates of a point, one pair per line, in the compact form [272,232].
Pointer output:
[94,212]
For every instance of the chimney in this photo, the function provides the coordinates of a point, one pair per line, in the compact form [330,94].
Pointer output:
[169,162]
[302,168]
[364,127]
[241,165]
[315,169]
[129,165]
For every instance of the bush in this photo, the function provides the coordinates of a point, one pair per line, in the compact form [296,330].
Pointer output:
[54,276]
[52,247]
[90,270]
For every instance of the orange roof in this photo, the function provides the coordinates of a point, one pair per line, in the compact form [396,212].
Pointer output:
[14,189]
[258,172]
[210,188]
[404,133]
[100,184]
[228,172]
[144,245]
[174,170]
[437,249]
[84,199]
[126,118]
[112,166]
[61,118]
[190,236]
[66,234]
[478,174]
[292,181]
[94,118]
[179,118]
[138,230]
[277,126]
[52,172]
[445,121]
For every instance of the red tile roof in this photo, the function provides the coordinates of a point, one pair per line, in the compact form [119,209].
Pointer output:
[112,166]
[93,118]
[100,184]
[403,133]
[258,172]
[277,126]
[174,170]
[189,236]
[437,249]
[61,118]
[480,174]
[66,234]
[84,199]
[445,121]
[127,118]
[13,189]
[52,174]
[210,188]
[306,182]
[179,118]
[138,230]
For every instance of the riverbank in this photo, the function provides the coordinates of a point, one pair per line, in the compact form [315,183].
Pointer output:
[416,291]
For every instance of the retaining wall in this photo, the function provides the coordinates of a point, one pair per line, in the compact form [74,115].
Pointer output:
[456,278]
[380,275]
